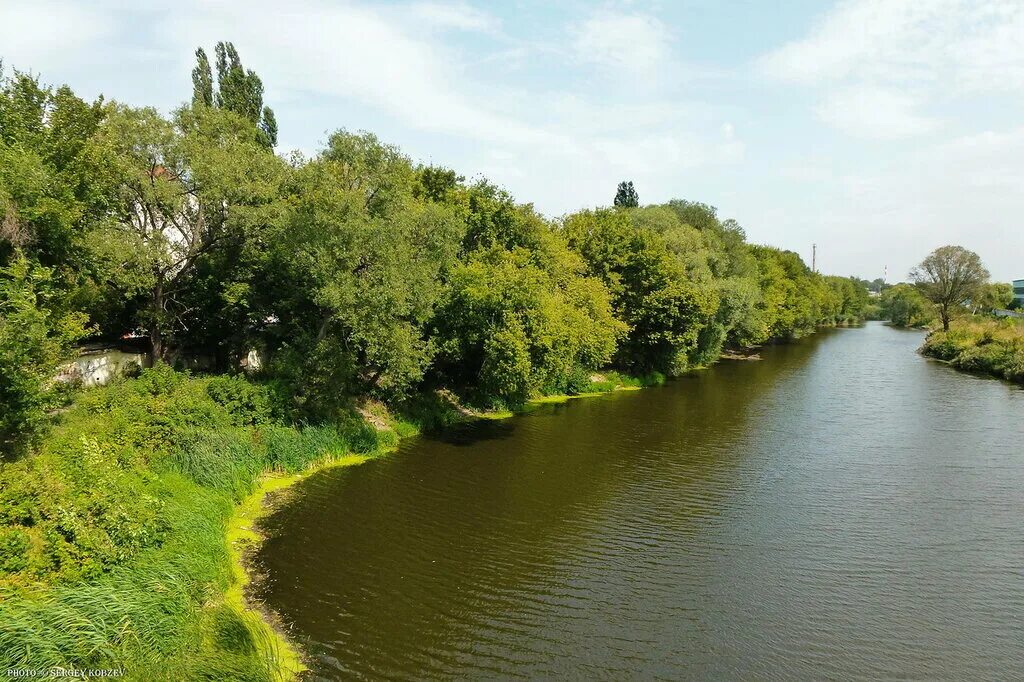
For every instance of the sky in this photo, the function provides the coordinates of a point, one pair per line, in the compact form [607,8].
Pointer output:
[876,129]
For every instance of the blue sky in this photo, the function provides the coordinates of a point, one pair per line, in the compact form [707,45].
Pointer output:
[878,129]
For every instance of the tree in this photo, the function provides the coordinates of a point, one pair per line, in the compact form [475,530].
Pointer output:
[626,196]
[185,189]
[36,336]
[665,309]
[238,90]
[354,275]
[949,277]
[994,296]
[202,80]
[904,306]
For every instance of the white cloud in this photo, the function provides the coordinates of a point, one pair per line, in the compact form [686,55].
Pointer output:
[34,34]
[970,44]
[451,15]
[355,52]
[871,112]
[879,63]
[632,43]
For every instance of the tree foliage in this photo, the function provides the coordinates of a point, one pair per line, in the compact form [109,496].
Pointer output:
[949,277]
[36,335]
[358,273]
[236,89]
[626,195]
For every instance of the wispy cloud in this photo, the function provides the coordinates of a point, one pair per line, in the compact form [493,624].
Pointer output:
[451,15]
[871,112]
[637,44]
[39,31]
[880,64]
[970,44]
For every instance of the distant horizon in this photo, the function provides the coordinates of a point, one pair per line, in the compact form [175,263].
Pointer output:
[841,126]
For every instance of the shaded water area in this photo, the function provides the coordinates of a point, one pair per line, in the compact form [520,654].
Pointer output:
[844,508]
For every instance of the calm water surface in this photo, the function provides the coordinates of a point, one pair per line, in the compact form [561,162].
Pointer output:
[842,509]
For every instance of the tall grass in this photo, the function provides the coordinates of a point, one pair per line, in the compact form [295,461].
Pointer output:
[116,554]
[987,346]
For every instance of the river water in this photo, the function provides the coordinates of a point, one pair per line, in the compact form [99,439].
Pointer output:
[842,509]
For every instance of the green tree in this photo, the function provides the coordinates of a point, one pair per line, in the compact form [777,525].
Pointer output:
[663,307]
[186,188]
[949,277]
[511,326]
[993,296]
[905,306]
[237,89]
[626,196]
[354,274]
[36,336]
[202,80]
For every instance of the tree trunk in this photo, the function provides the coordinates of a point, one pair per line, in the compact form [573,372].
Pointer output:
[945,320]
[156,337]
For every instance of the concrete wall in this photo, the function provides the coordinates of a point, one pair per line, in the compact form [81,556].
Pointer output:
[97,366]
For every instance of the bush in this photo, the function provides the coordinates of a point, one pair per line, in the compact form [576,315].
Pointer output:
[14,545]
[160,379]
[35,339]
[993,347]
[246,402]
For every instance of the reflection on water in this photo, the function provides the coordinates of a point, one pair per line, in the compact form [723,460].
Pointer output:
[843,508]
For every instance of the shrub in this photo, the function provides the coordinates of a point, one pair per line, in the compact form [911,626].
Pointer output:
[160,379]
[14,544]
[246,402]
[990,346]
[35,338]
[360,436]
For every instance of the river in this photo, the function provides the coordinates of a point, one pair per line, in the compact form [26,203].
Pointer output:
[843,508]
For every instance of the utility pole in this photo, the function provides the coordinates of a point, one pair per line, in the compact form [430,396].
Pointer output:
[814,257]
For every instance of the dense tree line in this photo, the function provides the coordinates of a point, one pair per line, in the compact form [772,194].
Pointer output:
[355,272]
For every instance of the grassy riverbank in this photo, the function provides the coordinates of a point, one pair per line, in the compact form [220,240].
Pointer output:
[123,537]
[989,346]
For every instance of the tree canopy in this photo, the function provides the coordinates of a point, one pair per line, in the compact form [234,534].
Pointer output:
[236,89]
[357,272]
[949,277]
[626,195]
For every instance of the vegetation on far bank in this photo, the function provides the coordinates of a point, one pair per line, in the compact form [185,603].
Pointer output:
[951,296]
[986,346]
[361,278]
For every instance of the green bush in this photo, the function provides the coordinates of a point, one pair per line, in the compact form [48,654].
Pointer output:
[246,402]
[36,337]
[360,436]
[14,544]
[160,379]
[989,346]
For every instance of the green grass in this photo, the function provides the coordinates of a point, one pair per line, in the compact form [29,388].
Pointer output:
[114,547]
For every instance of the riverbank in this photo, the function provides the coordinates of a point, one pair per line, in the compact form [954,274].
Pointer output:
[590,538]
[994,347]
[438,411]
[123,538]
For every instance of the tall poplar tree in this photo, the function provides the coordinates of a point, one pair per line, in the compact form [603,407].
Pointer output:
[237,89]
